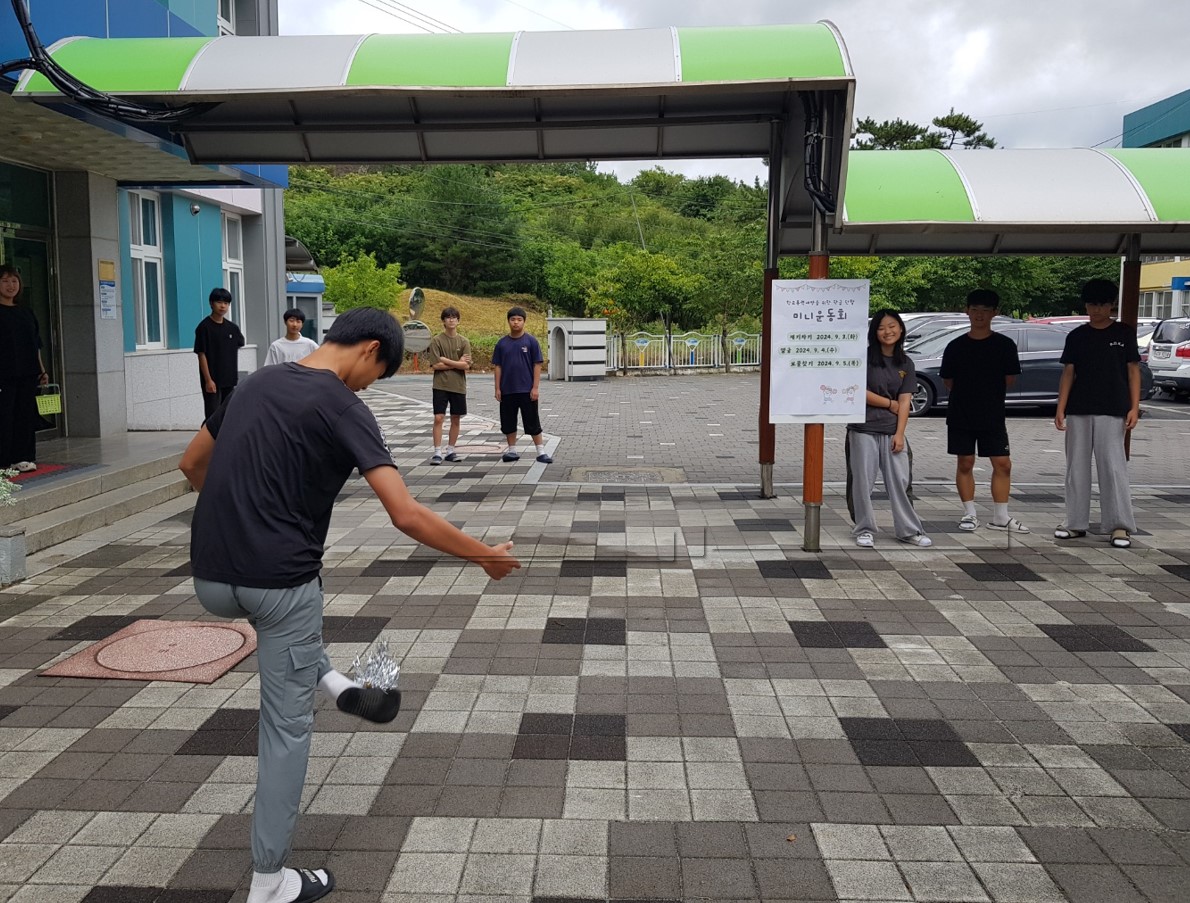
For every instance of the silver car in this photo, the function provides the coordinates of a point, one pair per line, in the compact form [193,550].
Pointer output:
[1169,356]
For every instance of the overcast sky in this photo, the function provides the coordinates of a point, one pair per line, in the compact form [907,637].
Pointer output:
[1037,73]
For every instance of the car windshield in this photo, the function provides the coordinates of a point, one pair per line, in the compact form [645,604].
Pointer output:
[1172,332]
[934,344]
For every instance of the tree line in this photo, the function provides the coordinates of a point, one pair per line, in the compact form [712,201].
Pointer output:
[661,249]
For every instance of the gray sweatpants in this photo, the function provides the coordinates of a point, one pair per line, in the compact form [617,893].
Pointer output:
[291,660]
[1103,436]
[872,453]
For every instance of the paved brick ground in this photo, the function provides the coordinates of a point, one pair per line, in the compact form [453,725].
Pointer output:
[669,702]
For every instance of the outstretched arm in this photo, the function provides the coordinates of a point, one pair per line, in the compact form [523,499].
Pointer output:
[418,522]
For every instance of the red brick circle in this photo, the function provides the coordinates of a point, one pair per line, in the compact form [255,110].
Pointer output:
[170,649]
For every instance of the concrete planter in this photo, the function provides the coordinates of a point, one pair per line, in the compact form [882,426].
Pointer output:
[12,555]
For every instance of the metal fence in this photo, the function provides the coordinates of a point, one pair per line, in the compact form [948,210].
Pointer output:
[644,351]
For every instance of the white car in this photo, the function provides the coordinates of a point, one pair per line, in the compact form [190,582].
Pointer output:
[1169,356]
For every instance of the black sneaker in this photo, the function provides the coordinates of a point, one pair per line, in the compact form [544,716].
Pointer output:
[436,459]
[510,456]
[452,457]
[543,458]
[370,703]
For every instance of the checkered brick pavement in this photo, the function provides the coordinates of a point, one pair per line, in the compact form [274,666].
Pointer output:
[670,701]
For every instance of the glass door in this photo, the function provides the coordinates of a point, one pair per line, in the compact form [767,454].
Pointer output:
[31,256]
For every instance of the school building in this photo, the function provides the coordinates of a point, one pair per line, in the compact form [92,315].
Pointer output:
[119,238]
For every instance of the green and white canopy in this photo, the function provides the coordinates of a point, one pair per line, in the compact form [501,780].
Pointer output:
[1014,202]
[658,92]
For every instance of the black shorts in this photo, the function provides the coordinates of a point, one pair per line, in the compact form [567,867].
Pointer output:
[992,443]
[514,403]
[457,402]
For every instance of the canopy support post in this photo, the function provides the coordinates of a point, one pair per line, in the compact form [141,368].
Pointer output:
[765,428]
[1130,302]
[814,440]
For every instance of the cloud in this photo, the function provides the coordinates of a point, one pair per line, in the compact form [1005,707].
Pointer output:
[1037,73]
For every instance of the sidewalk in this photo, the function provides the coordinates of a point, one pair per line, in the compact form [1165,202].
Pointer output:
[670,701]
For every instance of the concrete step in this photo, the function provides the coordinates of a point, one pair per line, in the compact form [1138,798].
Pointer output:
[35,499]
[99,510]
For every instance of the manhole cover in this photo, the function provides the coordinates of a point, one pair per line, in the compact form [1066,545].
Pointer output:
[184,651]
[621,476]
[627,475]
[171,649]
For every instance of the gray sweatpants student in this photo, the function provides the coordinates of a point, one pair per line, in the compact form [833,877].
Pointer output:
[871,453]
[1102,435]
[291,660]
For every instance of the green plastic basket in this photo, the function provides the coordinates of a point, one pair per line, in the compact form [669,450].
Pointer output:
[49,400]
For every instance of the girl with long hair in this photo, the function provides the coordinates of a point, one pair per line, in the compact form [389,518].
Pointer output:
[878,444]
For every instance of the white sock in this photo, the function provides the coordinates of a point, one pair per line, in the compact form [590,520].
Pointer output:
[450,449]
[541,449]
[275,887]
[335,682]
[969,508]
[437,449]
[512,448]
[1000,512]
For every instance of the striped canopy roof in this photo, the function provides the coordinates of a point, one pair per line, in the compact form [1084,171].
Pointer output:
[631,94]
[1015,201]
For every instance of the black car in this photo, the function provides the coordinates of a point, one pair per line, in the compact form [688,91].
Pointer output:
[1039,346]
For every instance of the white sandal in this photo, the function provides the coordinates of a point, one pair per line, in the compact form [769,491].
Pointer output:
[968,523]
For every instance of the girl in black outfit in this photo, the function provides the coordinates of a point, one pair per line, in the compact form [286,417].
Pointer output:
[21,372]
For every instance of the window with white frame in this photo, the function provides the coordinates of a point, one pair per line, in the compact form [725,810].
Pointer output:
[1156,304]
[227,16]
[233,266]
[148,267]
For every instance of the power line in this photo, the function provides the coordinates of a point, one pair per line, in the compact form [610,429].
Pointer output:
[536,13]
[410,16]
[1145,125]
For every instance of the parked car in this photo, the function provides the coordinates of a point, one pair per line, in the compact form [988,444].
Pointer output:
[1169,356]
[1040,348]
[1144,328]
[922,327]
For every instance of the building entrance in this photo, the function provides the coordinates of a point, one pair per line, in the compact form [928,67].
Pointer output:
[31,256]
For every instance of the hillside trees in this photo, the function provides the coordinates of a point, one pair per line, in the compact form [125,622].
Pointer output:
[661,247]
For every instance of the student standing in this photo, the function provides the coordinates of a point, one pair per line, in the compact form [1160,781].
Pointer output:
[878,444]
[1098,402]
[450,359]
[977,369]
[268,466]
[217,342]
[293,346]
[21,372]
[517,361]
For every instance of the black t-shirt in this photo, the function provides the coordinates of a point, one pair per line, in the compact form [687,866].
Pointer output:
[20,340]
[1100,358]
[978,368]
[285,443]
[220,342]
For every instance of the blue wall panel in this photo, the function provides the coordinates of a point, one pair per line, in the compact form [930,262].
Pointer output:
[1157,122]
[127,310]
[137,19]
[180,28]
[193,264]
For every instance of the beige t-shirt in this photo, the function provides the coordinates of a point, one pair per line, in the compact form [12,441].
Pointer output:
[452,349]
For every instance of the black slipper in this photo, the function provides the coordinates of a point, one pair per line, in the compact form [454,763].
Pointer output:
[313,887]
[370,703]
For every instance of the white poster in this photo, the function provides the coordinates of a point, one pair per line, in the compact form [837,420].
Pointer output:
[817,369]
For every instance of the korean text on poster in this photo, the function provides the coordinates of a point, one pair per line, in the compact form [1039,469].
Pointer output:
[817,367]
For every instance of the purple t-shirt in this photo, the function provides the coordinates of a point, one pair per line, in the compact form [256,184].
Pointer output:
[516,359]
